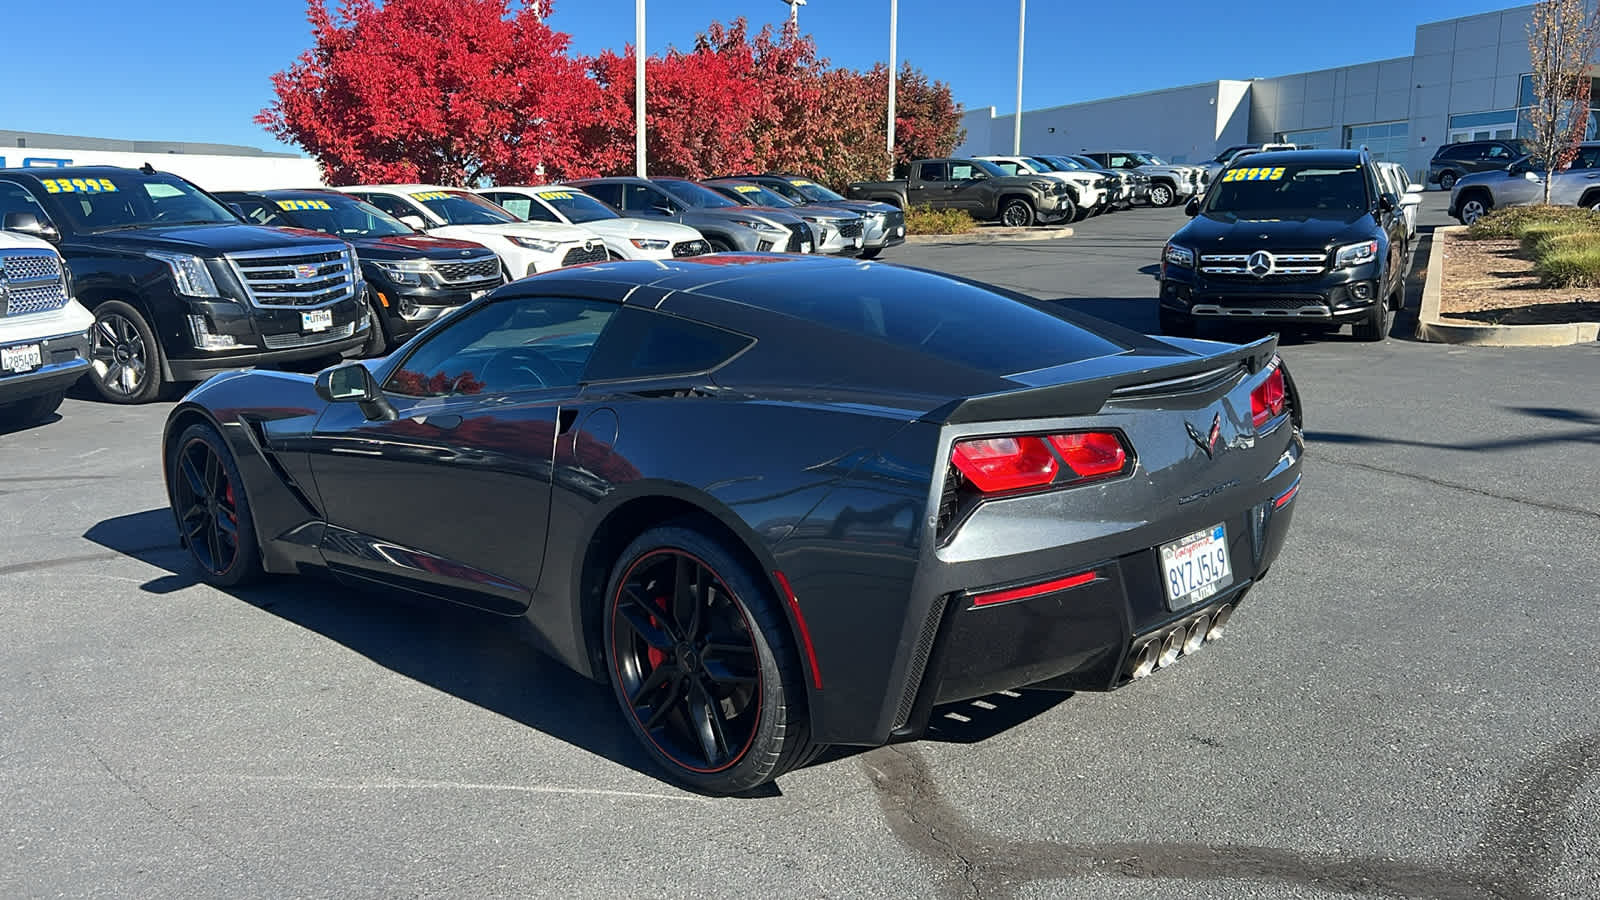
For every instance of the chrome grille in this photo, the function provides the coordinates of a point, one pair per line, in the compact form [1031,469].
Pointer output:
[577,256]
[291,341]
[1276,264]
[34,282]
[690,248]
[296,277]
[470,270]
[850,229]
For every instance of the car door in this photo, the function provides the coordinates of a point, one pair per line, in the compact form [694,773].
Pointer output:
[450,495]
[1578,179]
[930,186]
[972,189]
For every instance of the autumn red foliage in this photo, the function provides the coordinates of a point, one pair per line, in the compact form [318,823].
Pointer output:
[467,92]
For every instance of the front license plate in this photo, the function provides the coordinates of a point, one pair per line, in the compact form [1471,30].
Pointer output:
[25,358]
[1196,567]
[316,320]
[476,294]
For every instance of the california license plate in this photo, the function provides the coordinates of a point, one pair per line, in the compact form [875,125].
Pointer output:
[25,358]
[316,320]
[1196,567]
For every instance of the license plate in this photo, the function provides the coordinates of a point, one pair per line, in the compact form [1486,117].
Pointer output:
[1196,567]
[25,358]
[316,320]
[805,248]
[476,294]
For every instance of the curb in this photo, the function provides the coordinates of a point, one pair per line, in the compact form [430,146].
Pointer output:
[1432,327]
[992,235]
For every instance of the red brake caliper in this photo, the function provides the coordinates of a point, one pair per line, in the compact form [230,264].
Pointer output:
[657,657]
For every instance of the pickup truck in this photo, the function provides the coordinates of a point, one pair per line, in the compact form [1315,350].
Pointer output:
[44,333]
[981,188]
[180,287]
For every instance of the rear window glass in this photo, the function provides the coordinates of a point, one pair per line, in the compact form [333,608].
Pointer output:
[930,314]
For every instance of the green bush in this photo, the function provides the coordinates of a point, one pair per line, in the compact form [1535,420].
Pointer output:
[926,220]
[1513,222]
[1541,238]
[1570,260]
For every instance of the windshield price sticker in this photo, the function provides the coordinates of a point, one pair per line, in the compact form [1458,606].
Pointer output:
[746,188]
[290,205]
[431,195]
[78,185]
[1256,174]
[557,195]
[799,182]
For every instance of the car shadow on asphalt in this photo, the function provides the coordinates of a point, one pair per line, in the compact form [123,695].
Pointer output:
[484,659]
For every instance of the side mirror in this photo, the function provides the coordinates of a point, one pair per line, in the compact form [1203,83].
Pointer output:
[1411,198]
[1192,208]
[1386,202]
[414,222]
[28,223]
[353,383]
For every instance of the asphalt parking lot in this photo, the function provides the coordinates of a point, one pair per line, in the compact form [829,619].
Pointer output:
[1405,708]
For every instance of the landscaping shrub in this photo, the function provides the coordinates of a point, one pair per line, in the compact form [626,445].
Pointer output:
[1541,238]
[926,220]
[1511,223]
[1571,260]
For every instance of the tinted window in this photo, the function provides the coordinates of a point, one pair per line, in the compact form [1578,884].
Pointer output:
[577,206]
[15,199]
[513,345]
[126,199]
[259,212]
[608,193]
[523,208]
[394,206]
[931,172]
[756,195]
[813,191]
[1588,158]
[1495,151]
[1010,168]
[462,208]
[696,196]
[1248,190]
[341,216]
[641,343]
[930,314]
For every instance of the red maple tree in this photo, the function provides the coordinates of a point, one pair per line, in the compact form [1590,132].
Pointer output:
[439,91]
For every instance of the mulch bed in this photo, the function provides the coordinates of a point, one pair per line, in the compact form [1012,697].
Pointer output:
[1491,282]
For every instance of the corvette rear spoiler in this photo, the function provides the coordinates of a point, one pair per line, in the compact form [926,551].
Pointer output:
[1086,387]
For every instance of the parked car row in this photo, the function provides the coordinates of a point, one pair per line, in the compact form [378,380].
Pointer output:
[1522,183]
[175,284]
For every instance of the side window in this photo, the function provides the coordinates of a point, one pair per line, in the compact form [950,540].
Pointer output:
[1588,158]
[642,198]
[257,212]
[522,344]
[392,205]
[1495,151]
[933,171]
[642,343]
[512,203]
[14,198]
[1119,161]
[607,193]
[963,171]
[531,210]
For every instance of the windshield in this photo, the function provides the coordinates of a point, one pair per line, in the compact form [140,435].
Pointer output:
[756,195]
[989,167]
[132,200]
[1063,164]
[694,195]
[812,191]
[1012,168]
[578,207]
[336,215]
[1309,190]
[462,208]
[1087,162]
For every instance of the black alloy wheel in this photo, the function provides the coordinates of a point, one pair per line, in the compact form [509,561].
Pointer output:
[1019,213]
[124,358]
[702,663]
[213,515]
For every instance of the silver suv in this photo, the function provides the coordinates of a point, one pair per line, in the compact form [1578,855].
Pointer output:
[1522,184]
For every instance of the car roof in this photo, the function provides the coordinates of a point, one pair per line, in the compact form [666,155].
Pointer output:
[284,193]
[38,172]
[400,188]
[1311,157]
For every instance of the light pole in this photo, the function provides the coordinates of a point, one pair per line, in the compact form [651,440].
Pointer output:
[894,25]
[1022,30]
[638,88]
[794,11]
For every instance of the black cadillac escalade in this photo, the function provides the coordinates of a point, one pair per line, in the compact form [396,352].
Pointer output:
[1308,238]
[180,288]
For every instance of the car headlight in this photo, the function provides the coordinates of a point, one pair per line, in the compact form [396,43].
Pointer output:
[650,243]
[1355,254]
[752,224]
[405,271]
[1182,257]
[533,243]
[190,275]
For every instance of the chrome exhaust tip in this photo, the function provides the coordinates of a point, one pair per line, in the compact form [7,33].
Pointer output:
[1146,659]
[1172,646]
[1198,629]
[1219,622]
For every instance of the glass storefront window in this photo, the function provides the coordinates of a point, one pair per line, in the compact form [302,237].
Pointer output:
[1385,141]
[1311,139]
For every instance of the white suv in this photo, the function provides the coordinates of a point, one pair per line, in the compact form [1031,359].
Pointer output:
[44,333]
[526,248]
[1088,190]
[627,238]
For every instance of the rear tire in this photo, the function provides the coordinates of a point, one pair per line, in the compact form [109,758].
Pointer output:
[702,662]
[30,411]
[1447,180]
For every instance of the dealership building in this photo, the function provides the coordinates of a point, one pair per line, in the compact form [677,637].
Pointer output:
[1467,80]
[216,167]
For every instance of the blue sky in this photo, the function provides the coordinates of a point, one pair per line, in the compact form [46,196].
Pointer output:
[197,70]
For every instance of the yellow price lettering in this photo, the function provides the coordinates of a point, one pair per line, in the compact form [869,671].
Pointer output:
[799,182]
[50,185]
[1254,174]
[107,185]
[82,185]
[1277,173]
[558,195]
[746,189]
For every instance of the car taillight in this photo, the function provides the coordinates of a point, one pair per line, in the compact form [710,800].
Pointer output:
[1267,401]
[1000,464]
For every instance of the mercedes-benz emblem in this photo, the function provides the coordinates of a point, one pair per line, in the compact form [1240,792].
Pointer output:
[1260,263]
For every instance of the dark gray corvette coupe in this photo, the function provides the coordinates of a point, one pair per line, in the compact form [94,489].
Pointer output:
[777,502]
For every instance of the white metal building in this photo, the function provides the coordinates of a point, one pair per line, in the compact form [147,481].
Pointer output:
[1467,80]
[214,167]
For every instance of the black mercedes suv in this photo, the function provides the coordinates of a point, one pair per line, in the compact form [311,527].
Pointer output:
[412,278]
[180,288]
[1301,237]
